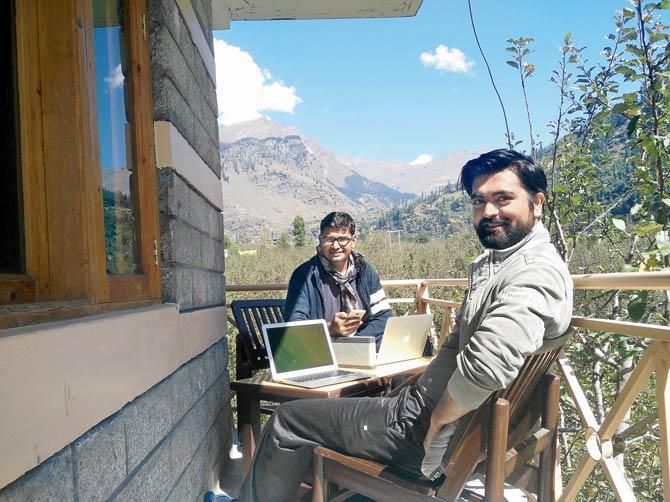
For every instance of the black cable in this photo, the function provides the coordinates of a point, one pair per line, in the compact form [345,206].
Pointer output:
[488,68]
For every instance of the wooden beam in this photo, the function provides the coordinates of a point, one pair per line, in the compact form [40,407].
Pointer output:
[574,388]
[442,303]
[16,289]
[14,316]
[662,366]
[32,146]
[623,280]
[628,394]
[578,478]
[639,330]
[622,489]
[97,286]
[63,133]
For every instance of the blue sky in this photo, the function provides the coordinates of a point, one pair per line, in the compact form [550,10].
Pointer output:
[109,81]
[360,88]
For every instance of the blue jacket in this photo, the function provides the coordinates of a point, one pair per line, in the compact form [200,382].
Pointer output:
[304,299]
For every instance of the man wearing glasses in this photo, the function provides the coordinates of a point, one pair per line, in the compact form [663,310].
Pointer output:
[519,301]
[336,282]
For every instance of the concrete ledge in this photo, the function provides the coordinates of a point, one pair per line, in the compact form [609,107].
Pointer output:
[80,372]
[173,151]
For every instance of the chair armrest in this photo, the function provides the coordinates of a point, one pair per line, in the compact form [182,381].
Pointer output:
[408,381]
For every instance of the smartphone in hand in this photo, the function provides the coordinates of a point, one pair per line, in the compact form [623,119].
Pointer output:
[356,314]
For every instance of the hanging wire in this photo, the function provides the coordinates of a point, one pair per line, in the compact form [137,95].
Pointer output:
[488,68]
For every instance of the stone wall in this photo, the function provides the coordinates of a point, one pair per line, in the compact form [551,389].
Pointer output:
[184,92]
[168,444]
[192,254]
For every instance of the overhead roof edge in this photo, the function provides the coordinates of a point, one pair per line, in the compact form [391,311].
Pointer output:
[225,11]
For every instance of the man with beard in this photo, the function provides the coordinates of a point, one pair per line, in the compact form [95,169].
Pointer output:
[336,281]
[519,301]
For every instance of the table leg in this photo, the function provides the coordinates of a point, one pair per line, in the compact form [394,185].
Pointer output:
[249,423]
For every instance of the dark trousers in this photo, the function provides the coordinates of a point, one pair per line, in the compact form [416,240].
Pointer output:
[387,430]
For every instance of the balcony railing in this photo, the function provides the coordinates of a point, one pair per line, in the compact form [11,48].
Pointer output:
[597,436]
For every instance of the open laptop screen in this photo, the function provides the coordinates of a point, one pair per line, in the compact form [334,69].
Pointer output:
[299,347]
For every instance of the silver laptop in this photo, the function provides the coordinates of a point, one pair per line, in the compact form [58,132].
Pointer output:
[404,339]
[300,353]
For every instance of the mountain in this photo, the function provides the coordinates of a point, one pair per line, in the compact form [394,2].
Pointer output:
[272,173]
[444,211]
[416,179]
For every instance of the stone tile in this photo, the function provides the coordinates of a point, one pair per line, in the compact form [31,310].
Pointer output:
[171,16]
[186,438]
[148,419]
[199,379]
[184,287]
[207,147]
[215,288]
[212,254]
[201,214]
[100,459]
[153,480]
[191,484]
[211,407]
[186,243]
[222,392]
[178,198]
[166,224]
[182,400]
[170,105]
[185,390]
[209,360]
[203,20]
[51,480]
[192,430]
[164,181]
[200,288]
[221,356]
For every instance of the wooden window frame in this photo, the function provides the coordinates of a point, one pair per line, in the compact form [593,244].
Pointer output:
[144,285]
[60,162]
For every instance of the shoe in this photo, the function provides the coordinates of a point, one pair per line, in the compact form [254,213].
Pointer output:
[220,497]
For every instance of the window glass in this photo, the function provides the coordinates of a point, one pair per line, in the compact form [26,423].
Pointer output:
[11,238]
[119,179]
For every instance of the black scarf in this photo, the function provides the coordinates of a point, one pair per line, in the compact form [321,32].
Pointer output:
[348,299]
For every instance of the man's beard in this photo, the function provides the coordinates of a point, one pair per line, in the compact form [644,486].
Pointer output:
[502,240]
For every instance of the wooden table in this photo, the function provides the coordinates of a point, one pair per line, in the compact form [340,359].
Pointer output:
[251,391]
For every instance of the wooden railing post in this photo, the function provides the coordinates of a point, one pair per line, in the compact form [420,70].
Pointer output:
[421,294]
[598,437]
[446,324]
[662,357]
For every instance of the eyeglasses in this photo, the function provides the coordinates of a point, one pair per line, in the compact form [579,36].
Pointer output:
[330,241]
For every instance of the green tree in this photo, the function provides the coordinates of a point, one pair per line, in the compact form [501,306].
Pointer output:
[608,169]
[284,241]
[299,237]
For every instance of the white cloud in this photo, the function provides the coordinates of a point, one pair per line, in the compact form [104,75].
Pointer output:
[244,90]
[446,59]
[424,158]
[116,78]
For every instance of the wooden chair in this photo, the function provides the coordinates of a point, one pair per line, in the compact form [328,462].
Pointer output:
[251,354]
[498,440]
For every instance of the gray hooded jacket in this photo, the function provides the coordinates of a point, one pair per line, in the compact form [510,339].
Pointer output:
[518,300]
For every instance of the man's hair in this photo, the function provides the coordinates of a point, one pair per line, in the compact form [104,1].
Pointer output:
[338,219]
[531,174]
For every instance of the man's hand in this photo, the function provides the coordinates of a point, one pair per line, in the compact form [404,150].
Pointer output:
[444,413]
[343,326]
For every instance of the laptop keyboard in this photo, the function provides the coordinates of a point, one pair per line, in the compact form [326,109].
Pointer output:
[319,376]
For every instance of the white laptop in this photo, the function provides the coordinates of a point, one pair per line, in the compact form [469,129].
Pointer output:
[301,353]
[404,339]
